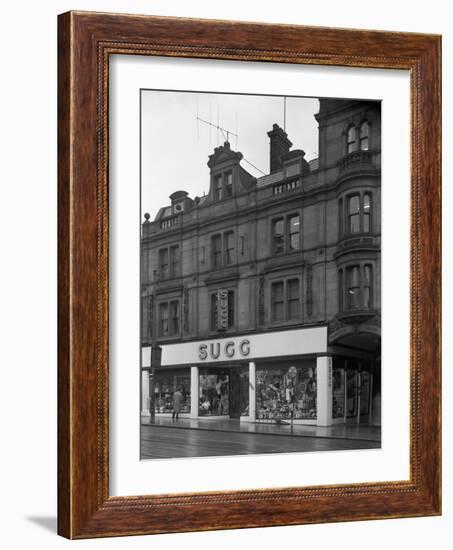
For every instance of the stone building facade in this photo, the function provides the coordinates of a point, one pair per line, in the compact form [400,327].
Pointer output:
[264,294]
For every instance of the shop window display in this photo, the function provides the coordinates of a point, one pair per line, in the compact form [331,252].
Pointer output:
[352,393]
[214,395]
[365,383]
[280,395]
[338,391]
[244,391]
[164,388]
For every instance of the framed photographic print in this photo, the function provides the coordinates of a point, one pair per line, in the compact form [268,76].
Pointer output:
[249,275]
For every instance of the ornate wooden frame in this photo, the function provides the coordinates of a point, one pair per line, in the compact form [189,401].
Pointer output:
[85,41]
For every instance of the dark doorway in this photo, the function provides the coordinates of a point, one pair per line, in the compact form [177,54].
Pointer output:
[235,392]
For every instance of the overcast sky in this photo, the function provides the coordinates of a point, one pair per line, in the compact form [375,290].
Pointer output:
[175,147]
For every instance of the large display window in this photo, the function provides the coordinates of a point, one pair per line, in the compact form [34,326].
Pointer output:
[365,387]
[352,393]
[338,393]
[165,386]
[245,382]
[286,391]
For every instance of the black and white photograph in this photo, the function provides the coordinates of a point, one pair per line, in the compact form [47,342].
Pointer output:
[260,250]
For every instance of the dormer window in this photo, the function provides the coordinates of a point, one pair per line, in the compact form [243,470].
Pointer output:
[223,186]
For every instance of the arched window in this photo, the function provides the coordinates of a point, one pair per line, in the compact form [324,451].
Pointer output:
[364,136]
[351,139]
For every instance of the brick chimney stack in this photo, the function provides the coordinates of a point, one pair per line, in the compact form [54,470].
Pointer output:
[280,146]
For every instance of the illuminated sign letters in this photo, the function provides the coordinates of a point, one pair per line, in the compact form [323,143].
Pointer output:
[222,309]
[220,350]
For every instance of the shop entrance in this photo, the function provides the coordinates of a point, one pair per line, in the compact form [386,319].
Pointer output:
[224,391]
[235,392]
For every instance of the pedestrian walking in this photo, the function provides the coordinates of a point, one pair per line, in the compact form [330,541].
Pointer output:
[177,403]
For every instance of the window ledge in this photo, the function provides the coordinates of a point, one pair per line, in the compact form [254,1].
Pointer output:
[356,316]
[356,160]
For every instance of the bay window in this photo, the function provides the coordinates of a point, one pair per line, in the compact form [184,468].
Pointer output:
[355,288]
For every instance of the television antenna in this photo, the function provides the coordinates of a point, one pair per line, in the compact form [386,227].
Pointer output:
[225,133]
[226,136]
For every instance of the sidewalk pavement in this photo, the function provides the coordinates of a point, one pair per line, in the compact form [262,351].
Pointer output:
[363,432]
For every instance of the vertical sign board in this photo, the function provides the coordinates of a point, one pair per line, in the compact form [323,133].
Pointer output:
[222,309]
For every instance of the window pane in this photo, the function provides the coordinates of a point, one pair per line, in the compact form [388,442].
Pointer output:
[340,290]
[364,130]
[174,259]
[293,299]
[354,205]
[364,136]
[367,212]
[163,319]
[277,294]
[217,188]
[229,247]
[278,236]
[367,282]
[354,214]
[217,250]
[174,309]
[163,263]
[294,233]
[229,184]
[354,223]
[340,218]
[353,275]
[352,139]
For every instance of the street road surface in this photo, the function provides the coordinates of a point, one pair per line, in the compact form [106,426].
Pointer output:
[164,442]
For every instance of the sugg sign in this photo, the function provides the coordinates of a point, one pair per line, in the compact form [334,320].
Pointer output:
[229,349]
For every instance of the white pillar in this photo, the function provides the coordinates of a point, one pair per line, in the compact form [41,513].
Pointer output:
[194,392]
[252,391]
[324,387]
[145,393]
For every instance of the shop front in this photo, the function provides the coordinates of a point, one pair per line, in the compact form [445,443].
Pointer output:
[354,385]
[268,377]
[252,379]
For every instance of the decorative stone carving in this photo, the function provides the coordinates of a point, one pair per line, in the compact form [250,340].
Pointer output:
[261,301]
[185,308]
[309,300]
